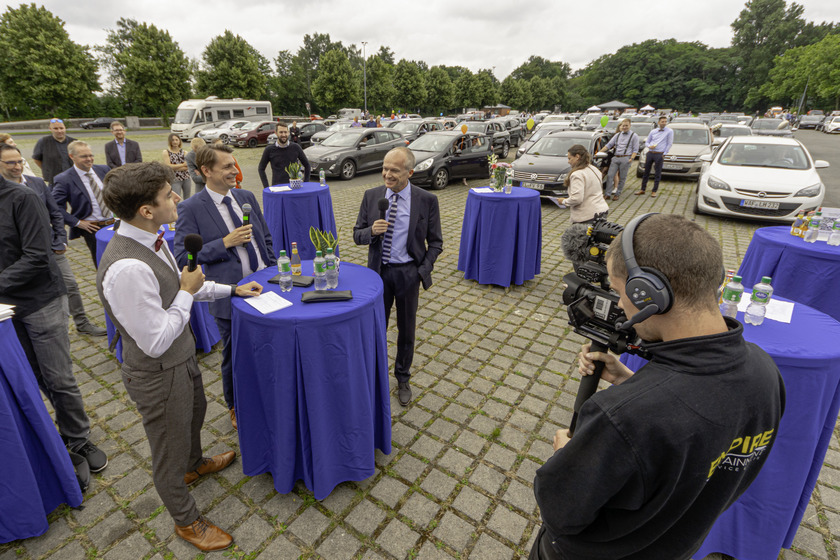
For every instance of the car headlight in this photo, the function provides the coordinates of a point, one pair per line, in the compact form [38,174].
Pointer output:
[561,178]
[330,158]
[813,190]
[717,184]
[424,165]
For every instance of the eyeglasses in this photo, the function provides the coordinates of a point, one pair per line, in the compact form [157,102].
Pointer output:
[12,163]
[56,121]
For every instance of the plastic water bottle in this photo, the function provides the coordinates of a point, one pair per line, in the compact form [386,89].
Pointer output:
[813,228]
[295,260]
[509,181]
[284,267]
[322,177]
[731,297]
[834,238]
[332,269]
[320,271]
[761,294]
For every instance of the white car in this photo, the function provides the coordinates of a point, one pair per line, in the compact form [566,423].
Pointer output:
[223,131]
[832,126]
[761,177]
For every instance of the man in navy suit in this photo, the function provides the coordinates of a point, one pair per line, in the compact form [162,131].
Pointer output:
[231,250]
[403,248]
[81,187]
[121,150]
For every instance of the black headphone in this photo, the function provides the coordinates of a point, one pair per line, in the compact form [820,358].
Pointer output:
[647,288]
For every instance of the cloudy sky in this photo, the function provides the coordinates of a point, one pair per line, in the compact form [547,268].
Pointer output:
[472,33]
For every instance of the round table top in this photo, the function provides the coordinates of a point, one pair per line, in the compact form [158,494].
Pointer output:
[308,189]
[780,235]
[517,193]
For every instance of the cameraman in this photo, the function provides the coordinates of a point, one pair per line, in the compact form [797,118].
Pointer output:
[661,454]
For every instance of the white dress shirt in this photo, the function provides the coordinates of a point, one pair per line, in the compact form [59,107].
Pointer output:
[96,214]
[240,250]
[133,292]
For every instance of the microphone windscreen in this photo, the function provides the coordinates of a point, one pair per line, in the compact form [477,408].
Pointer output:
[383,206]
[246,208]
[193,243]
[574,243]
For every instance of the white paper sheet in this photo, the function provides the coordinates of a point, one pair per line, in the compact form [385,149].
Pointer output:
[268,302]
[279,189]
[483,190]
[781,311]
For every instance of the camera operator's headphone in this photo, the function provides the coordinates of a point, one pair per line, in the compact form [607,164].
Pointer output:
[647,288]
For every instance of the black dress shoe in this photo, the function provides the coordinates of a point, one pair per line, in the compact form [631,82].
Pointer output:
[91,329]
[95,457]
[404,393]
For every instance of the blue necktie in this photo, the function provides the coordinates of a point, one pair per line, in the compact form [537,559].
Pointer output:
[252,254]
[389,233]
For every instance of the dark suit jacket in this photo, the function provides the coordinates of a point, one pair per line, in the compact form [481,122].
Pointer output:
[198,214]
[59,234]
[425,241]
[68,188]
[132,153]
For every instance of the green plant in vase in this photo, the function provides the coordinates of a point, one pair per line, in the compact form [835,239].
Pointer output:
[295,178]
[322,240]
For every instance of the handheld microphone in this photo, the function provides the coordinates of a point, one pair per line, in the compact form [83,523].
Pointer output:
[193,244]
[246,218]
[574,242]
[383,207]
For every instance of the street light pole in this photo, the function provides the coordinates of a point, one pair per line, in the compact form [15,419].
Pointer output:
[364,57]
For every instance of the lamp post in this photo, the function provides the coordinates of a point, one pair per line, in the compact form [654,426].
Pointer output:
[364,58]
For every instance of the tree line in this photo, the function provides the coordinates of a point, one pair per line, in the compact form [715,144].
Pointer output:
[775,53]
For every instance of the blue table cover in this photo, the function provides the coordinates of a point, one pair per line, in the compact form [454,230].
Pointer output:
[766,517]
[807,273]
[311,384]
[501,237]
[37,472]
[290,214]
[203,325]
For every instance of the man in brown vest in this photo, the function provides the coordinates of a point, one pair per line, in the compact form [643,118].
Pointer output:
[149,302]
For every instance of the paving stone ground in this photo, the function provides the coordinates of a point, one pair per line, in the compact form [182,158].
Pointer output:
[493,379]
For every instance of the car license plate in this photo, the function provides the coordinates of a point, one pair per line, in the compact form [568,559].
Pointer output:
[764,204]
[537,186]
[672,166]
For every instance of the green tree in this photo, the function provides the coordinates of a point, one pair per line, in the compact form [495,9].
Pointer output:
[337,85]
[410,85]
[467,90]
[816,66]
[289,93]
[513,93]
[541,97]
[380,84]
[488,91]
[309,57]
[440,90]
[43,72]
[539,66]
[386,54]
[231,69]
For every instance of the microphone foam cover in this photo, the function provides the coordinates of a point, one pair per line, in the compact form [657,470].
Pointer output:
[193,243]
[383,204]
[246,208]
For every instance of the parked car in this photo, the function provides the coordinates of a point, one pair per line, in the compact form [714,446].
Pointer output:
[688,120]
[767,178]
[307,130]
[810,121]
[772,127]
[253,134]
[831,125]
[513,127]
[590,122]
[541,131]
[642,129]
[446,155]
[500,137]
[353,150]
[724,131]
[100,122]
[413,129]
[322,135]
[544,166]
[223,131]
[691,140]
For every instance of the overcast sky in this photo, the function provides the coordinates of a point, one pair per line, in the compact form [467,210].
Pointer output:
[472,33]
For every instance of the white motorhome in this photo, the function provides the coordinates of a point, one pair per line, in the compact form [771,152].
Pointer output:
[196,114]
[349,114]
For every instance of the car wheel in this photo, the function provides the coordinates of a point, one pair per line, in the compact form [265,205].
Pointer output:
[348,169]
[505,150]
[440,179]
[252,142]
[223,138]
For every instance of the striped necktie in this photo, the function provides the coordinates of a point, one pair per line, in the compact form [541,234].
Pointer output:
[389,234]
[97,192]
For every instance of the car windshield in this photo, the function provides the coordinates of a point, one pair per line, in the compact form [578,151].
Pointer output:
[239,124]
[691,136]
[767,124]
[593,119]
[341,140]
[249,126]
[339,126]
[764,155]
[727,131]
[611,126]
[556,146]
[641,128]
[431,143]
[184,116]
[542,132]
[406,126]
[476,126]
[811,119]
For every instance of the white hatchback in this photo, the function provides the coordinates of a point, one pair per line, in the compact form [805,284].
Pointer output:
[766,178]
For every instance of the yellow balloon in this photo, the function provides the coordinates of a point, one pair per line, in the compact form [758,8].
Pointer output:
[464,129]
[529,123]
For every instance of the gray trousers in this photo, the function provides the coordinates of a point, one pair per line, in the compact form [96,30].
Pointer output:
[620,165]
[172,404]
[74,298]
[43,336]
[183,187]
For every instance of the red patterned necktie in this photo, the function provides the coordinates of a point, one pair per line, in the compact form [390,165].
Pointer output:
[159,242]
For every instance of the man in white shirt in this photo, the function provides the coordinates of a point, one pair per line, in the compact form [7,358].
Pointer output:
[149,302]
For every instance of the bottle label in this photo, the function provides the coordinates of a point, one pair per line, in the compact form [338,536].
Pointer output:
[319,267]
[331,265]
[759,296]
[286,267]
[731,295]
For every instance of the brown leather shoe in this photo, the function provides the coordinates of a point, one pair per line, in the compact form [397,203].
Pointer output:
[210,465]
[606,197]
[653,195]
[204,535]
[233,419]
[639,192]
[615,197]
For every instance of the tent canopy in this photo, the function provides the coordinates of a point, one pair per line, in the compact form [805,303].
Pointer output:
[614,104]
[593,108]
[647,108]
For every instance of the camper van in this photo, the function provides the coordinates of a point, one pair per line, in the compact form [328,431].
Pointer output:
[197,114]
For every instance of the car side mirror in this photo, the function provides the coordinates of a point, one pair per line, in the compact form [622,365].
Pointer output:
[361,145]
[601,155]
[821,164]
[457,152]
[705,157]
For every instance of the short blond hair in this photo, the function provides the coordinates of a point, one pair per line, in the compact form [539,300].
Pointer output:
[75,145]
[197,143]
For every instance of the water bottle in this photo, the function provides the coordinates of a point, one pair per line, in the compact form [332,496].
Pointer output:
[284,267]
[813,228]
[295,260]
[320,271]
[761,294]
[834,238]
[322,177]
[731,297]
[332,269]
[509,181]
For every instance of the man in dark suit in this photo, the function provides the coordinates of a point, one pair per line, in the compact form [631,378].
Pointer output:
[81,188]
[231,250]
[121,150]
[403,249]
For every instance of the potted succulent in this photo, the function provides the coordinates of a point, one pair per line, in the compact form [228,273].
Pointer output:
[322,240]
[295,171]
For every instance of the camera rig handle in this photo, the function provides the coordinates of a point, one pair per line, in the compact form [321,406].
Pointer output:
[588,384]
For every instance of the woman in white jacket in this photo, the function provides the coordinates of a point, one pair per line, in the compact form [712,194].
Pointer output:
[586,197]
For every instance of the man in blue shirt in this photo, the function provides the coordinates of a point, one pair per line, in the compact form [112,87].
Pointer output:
[626,144]
[658,144]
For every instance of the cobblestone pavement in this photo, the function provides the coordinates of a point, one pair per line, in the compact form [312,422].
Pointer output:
[493,379]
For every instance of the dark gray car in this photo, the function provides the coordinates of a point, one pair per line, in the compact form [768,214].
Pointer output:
[353,150]
[496,131]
